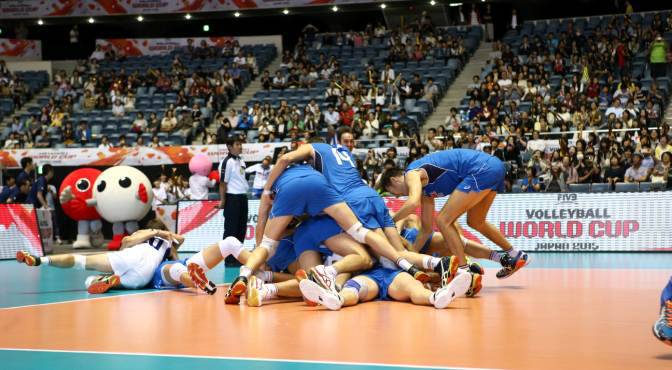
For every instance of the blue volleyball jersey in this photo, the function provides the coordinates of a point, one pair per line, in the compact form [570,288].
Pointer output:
[291,173]
[339,167]
[447,168]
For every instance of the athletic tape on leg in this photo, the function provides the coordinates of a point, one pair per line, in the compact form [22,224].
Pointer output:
[358,232]
[270,245]
[361,290]
[80,262]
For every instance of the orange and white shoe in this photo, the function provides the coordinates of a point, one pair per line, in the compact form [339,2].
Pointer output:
[27,258]
[199,279]
[102,283]
[447,269]
[236,290]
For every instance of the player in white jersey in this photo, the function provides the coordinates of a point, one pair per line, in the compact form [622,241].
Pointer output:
[131,268]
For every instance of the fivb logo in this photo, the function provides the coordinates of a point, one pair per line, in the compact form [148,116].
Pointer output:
[568,198]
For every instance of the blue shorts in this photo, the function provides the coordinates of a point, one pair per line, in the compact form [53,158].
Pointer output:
[283,257]
[411,234]
[383,278]
[157,280]
[311,233]
[371,212]
[304,195]
[256,193]
[490,176]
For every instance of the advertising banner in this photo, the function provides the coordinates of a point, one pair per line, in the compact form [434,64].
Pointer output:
[137,156]
[202,224]
[140,47]
[21,49]
[168,215]
[74,8]
[19,230]
[566,222]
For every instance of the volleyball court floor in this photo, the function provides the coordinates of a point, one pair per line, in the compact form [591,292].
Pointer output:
[564,311]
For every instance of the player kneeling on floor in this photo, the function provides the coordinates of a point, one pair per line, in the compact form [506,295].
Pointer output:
[386,284]
[133,267]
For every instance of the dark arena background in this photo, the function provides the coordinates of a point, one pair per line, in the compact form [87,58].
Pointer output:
[122,117]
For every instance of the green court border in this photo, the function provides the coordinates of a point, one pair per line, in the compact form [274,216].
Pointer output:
[19,359]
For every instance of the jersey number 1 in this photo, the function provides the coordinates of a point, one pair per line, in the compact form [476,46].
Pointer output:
[340,157]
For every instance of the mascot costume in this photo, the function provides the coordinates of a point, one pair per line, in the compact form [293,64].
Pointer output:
[75,193]
[122,195]
[202,177]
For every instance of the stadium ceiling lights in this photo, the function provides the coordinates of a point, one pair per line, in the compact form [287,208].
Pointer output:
[455,4]
[285,12]
[334,8]
[236,14]
[140,18]
[432,3]
[187,16]
[91,20]
[40,22]
[383,6]
[206,28]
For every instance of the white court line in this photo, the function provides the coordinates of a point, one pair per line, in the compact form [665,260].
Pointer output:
[248,359]
[98,298]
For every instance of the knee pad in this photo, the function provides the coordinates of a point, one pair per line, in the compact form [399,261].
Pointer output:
[176,270]
[80,262]
[358,232]
[270,245]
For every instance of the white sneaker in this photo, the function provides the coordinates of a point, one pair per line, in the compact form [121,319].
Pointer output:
[255,292]
[319,275]
[315,293]
[455,289]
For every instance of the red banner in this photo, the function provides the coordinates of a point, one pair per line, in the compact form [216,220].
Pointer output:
[21,49]
[18,230]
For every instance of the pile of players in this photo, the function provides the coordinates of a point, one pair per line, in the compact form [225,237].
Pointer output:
[326,236]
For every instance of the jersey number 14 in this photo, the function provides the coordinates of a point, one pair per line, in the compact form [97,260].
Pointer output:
[341,157]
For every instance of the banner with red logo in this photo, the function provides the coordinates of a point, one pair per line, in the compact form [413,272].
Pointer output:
[140,47]
[567,222]
[21,49]
[137,156]
[19,230]
[74,8]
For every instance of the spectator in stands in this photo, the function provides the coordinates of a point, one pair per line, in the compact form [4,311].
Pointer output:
[663,146]
[83,133]
[139,124]
[636,173]
[139,141]
[98,54]
[156,143]
[556,183]
[118,109]
[615,172]
[531,183]
[245,121]
[661,173]
[658,57]
[169,122]
[648,161]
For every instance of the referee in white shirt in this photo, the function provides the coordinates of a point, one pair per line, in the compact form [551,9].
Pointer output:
[233,191]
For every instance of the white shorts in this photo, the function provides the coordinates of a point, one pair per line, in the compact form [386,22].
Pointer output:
[136,265]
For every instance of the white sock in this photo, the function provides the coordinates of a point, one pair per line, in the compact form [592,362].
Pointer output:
[495,256]
[331,271]
[405,265]
[271,291]
[512,252]
[80,262]
[430,262]
[245,271]
[265,276]
[230,247]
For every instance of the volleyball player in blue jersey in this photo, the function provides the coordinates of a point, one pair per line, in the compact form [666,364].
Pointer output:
[471,179]
[338,167]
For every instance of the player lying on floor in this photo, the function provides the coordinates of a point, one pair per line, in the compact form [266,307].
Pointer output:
[386,284]
[131,268]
